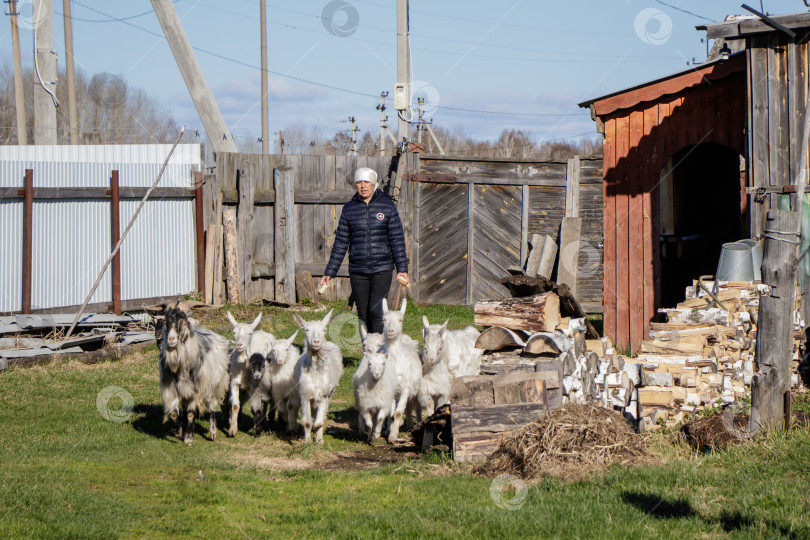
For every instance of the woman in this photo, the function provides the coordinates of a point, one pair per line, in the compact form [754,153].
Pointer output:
[371,230]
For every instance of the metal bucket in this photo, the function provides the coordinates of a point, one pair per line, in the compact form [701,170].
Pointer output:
[756,256]
[736,263]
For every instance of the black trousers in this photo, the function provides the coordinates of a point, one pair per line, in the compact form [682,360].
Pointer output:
[369,291]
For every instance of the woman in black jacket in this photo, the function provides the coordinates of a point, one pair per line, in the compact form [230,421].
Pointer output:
[371,230]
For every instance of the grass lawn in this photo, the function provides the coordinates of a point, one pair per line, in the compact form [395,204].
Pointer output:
[66,471]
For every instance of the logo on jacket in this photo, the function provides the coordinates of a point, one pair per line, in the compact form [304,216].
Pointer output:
[380,216]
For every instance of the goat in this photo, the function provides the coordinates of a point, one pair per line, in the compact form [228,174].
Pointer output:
[318,373]
[282,361]
[435,386]
[258,376]
[375,386]
[371,344]
[456,348]
[403,352]
[193,372]
[242,332]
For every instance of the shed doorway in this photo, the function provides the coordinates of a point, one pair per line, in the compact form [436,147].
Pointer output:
[700,207]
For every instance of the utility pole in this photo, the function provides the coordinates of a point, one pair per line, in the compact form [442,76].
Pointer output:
[281,142]
[19,95]
[71,79]
[211,116]
[419,102]
[403,64]
[265,127]
[45,102]
[383,119]
[353,151]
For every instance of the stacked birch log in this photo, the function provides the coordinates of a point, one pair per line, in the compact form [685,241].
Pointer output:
[703,356]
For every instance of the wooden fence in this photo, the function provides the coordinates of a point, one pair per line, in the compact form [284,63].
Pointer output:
[472,218]
[466,220]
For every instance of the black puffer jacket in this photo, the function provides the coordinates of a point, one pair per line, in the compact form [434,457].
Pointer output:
[373,235]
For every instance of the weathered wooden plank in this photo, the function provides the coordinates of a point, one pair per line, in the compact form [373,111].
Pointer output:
[569,252]
[246,223]
[572,174]
[636,232]
[622,338]
[778,123]
[285,236]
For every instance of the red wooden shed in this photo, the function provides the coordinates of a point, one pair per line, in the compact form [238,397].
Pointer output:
[674,186]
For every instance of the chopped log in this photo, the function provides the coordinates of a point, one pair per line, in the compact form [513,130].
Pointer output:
[513,387]
[533,260]
[548,254]
[434,430]
[570,307]
[697,316]
[496,338]
[231,272]
[539,312]
[655,398]
[304,287]
[477,431]
[727,298]
[552,343]
[520,286]
[673,347]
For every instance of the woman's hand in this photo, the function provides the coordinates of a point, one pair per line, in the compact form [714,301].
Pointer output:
[403,278]
[325,280]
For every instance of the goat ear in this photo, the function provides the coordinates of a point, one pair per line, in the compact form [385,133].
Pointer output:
[328,317]
[232,320]
[256,321]
[425,322]
[298,320]
[292,337]
[444,326]
[385,305]
[404,303]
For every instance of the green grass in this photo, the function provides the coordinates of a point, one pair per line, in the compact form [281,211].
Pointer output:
[67,472]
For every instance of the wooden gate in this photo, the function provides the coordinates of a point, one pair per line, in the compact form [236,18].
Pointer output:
[441,232]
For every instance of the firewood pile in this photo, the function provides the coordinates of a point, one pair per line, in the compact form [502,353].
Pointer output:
[703,356]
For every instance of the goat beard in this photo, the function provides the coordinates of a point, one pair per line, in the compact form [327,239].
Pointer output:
[173,359]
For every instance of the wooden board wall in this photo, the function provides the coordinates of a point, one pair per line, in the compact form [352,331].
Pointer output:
[638,142]
[496,203]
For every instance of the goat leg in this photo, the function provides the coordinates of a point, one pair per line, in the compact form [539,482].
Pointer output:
[292,414]
[188,436]
[234,407]
[306,419]
[320,420]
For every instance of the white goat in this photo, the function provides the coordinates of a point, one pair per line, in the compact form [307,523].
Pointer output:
[375,385]
[242,333]
[318,373]
[456,348]
[282,361]
[434,390]
[403,353]
[371,344]
[193,372]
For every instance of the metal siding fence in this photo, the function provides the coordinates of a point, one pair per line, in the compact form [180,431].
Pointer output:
[11,235]
[71,238]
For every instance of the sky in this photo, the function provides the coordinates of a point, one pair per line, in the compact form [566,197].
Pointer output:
[482,67]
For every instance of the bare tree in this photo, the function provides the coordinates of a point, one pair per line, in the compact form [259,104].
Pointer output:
[109,110]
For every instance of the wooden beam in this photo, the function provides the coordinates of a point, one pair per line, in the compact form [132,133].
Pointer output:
[572,187]
[98,193]
[115,233]
[470,240]
[28,240]
[285,234]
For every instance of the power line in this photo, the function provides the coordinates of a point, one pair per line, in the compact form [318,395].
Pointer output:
[300,79]
[676,8]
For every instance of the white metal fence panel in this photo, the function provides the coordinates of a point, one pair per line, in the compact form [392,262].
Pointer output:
[11,240]
[71,238]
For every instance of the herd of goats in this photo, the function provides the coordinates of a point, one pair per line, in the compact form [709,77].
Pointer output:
[394,381]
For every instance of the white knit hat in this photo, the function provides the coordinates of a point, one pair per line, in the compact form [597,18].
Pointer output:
[365,174]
